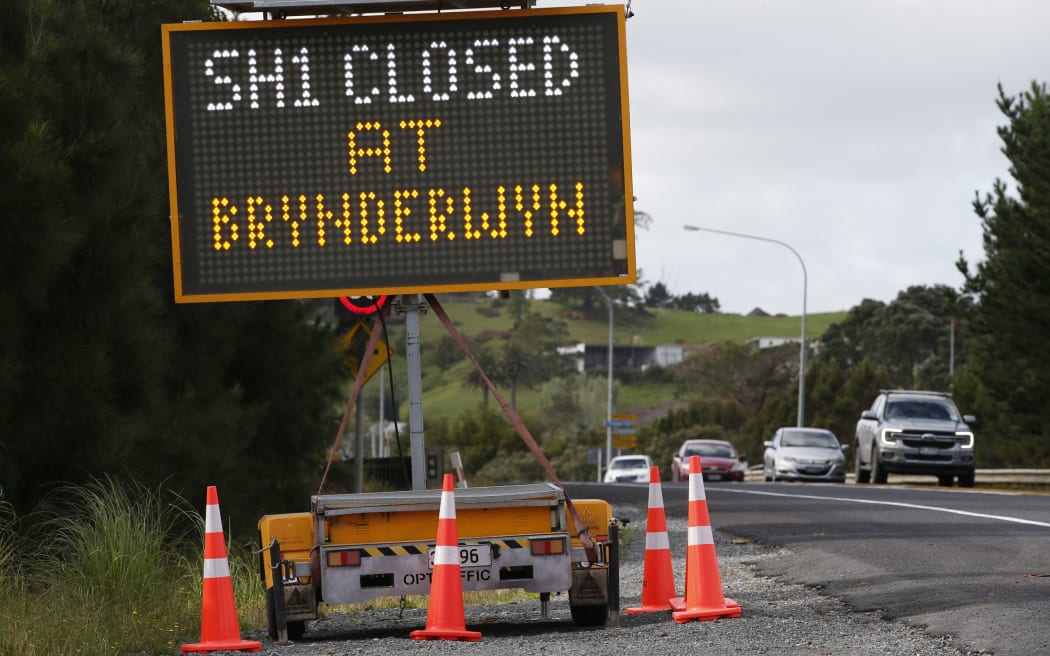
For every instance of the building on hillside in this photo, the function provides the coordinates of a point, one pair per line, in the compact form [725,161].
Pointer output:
[595,357]
[772,342]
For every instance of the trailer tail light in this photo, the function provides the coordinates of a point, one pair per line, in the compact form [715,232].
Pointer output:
[601,538]
[346,557]
[548,547]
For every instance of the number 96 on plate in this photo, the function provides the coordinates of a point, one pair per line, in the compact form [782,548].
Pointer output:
[474,555]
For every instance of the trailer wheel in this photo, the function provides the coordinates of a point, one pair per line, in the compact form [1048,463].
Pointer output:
[296,629]
[589,615]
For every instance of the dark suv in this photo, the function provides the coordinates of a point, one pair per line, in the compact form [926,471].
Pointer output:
[914,432]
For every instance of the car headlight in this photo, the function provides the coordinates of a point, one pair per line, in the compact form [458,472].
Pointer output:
[888,437]
[967,442]
[791,459]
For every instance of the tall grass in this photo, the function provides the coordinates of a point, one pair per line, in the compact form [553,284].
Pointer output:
[108,569]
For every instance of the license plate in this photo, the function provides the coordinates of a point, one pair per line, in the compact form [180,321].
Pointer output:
[928,451]
[714,477]
[475,555]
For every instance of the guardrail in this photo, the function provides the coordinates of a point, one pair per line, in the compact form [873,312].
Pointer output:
[987,477]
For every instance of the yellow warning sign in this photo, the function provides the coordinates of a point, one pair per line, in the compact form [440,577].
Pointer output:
[352,347]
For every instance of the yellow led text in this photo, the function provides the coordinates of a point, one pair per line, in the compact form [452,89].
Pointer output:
[379,143]
[403,216]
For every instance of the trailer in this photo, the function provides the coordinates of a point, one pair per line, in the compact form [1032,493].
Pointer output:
[352,548]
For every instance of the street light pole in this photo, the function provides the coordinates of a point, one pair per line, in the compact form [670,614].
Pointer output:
[608,409]
[805,285]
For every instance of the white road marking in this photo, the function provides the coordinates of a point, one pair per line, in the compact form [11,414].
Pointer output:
[1002,518]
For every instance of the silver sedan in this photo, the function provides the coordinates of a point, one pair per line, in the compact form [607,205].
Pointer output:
[804,454]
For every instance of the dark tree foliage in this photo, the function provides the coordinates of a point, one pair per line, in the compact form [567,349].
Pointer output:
[657,296]
[910,337]
[530,356]
[591,299]
[700,303]
[1011,358]
[480,437]
[100,372]
[747,375]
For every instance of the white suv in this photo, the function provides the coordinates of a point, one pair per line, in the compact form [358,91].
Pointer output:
[914,432]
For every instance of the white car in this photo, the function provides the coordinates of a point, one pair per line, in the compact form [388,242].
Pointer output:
[628,469]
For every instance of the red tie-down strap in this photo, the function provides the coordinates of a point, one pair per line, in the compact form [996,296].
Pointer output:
[523,431]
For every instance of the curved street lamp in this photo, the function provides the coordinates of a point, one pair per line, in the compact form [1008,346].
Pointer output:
[805,284]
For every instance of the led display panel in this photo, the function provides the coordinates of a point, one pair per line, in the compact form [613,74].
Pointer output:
[399,154]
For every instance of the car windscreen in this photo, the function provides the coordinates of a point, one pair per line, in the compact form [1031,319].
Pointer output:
[631,463]
[809,438]
[921,409]
[711,451]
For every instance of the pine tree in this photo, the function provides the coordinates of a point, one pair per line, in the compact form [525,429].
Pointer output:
[1011,358]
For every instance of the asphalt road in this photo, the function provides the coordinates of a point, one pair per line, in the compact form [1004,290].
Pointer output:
[972,564]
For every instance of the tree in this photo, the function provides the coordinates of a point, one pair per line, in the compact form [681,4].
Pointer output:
[908,337]
[699,303]
[102,374]
[658,296]
[531,356]
[574,404]
[741,372]
[590,300]
[1011,358]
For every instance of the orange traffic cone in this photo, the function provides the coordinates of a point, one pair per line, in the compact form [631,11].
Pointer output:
[657,575]
[703,585]
[219,628]
[445,614]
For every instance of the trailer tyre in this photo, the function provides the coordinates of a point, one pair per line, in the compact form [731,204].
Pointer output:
[296,629]
[589,615]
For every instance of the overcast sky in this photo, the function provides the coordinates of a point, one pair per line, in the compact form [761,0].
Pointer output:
[857,131]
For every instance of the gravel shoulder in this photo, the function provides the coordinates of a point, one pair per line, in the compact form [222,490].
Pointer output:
[777,618]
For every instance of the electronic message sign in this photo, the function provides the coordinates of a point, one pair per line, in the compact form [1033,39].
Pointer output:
[372,155]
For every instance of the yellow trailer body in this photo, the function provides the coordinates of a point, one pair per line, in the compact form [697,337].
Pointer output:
[351,548]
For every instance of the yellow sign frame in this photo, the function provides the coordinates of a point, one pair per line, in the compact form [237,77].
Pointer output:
[191,247]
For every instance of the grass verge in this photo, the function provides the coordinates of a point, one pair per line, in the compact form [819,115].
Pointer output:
[109,569]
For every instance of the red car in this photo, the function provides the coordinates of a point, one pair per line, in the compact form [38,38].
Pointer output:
[718,460]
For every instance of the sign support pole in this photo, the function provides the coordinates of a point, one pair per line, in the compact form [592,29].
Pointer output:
[412,306]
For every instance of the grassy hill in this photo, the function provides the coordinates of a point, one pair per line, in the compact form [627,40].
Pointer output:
[445,396]
[654,327]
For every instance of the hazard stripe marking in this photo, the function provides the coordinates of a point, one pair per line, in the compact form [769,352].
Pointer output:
[421,549]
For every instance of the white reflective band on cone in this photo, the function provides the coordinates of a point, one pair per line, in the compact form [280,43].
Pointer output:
[212,521]
[696,487]
[657,541]
[700,535]
[446,555]
[448,506]
[656,500]
[216,568]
